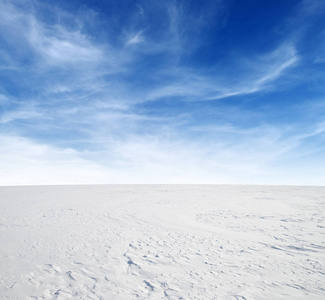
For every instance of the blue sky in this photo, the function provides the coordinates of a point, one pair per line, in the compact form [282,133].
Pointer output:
[222,91]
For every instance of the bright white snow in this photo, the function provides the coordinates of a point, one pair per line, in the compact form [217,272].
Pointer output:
[162,242]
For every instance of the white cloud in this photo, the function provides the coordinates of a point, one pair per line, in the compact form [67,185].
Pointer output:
[23,161]
[135,39]
[312,7]
[277,70]
[19,115]
[53,47]
[86,93]
[260,72]
[61,47]
[84,64]
[3,98]
[214,154]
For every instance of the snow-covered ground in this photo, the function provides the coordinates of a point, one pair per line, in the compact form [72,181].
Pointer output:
[162,242]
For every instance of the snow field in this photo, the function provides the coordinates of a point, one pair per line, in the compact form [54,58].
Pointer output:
[162,242]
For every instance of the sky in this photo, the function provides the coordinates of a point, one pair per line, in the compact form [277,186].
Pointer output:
[123,92]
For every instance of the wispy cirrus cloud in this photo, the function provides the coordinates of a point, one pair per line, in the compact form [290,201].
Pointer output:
[88,66]
[136,104]
[25,162]
[135,39]
[254,75]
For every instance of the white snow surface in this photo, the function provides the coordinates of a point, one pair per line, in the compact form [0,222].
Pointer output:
[162,242]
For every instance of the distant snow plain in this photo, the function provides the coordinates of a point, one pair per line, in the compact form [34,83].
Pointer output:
[162,242]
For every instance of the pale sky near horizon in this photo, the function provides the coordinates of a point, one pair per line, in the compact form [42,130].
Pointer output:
[162,92]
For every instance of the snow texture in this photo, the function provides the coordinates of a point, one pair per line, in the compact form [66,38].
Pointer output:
[162,242]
